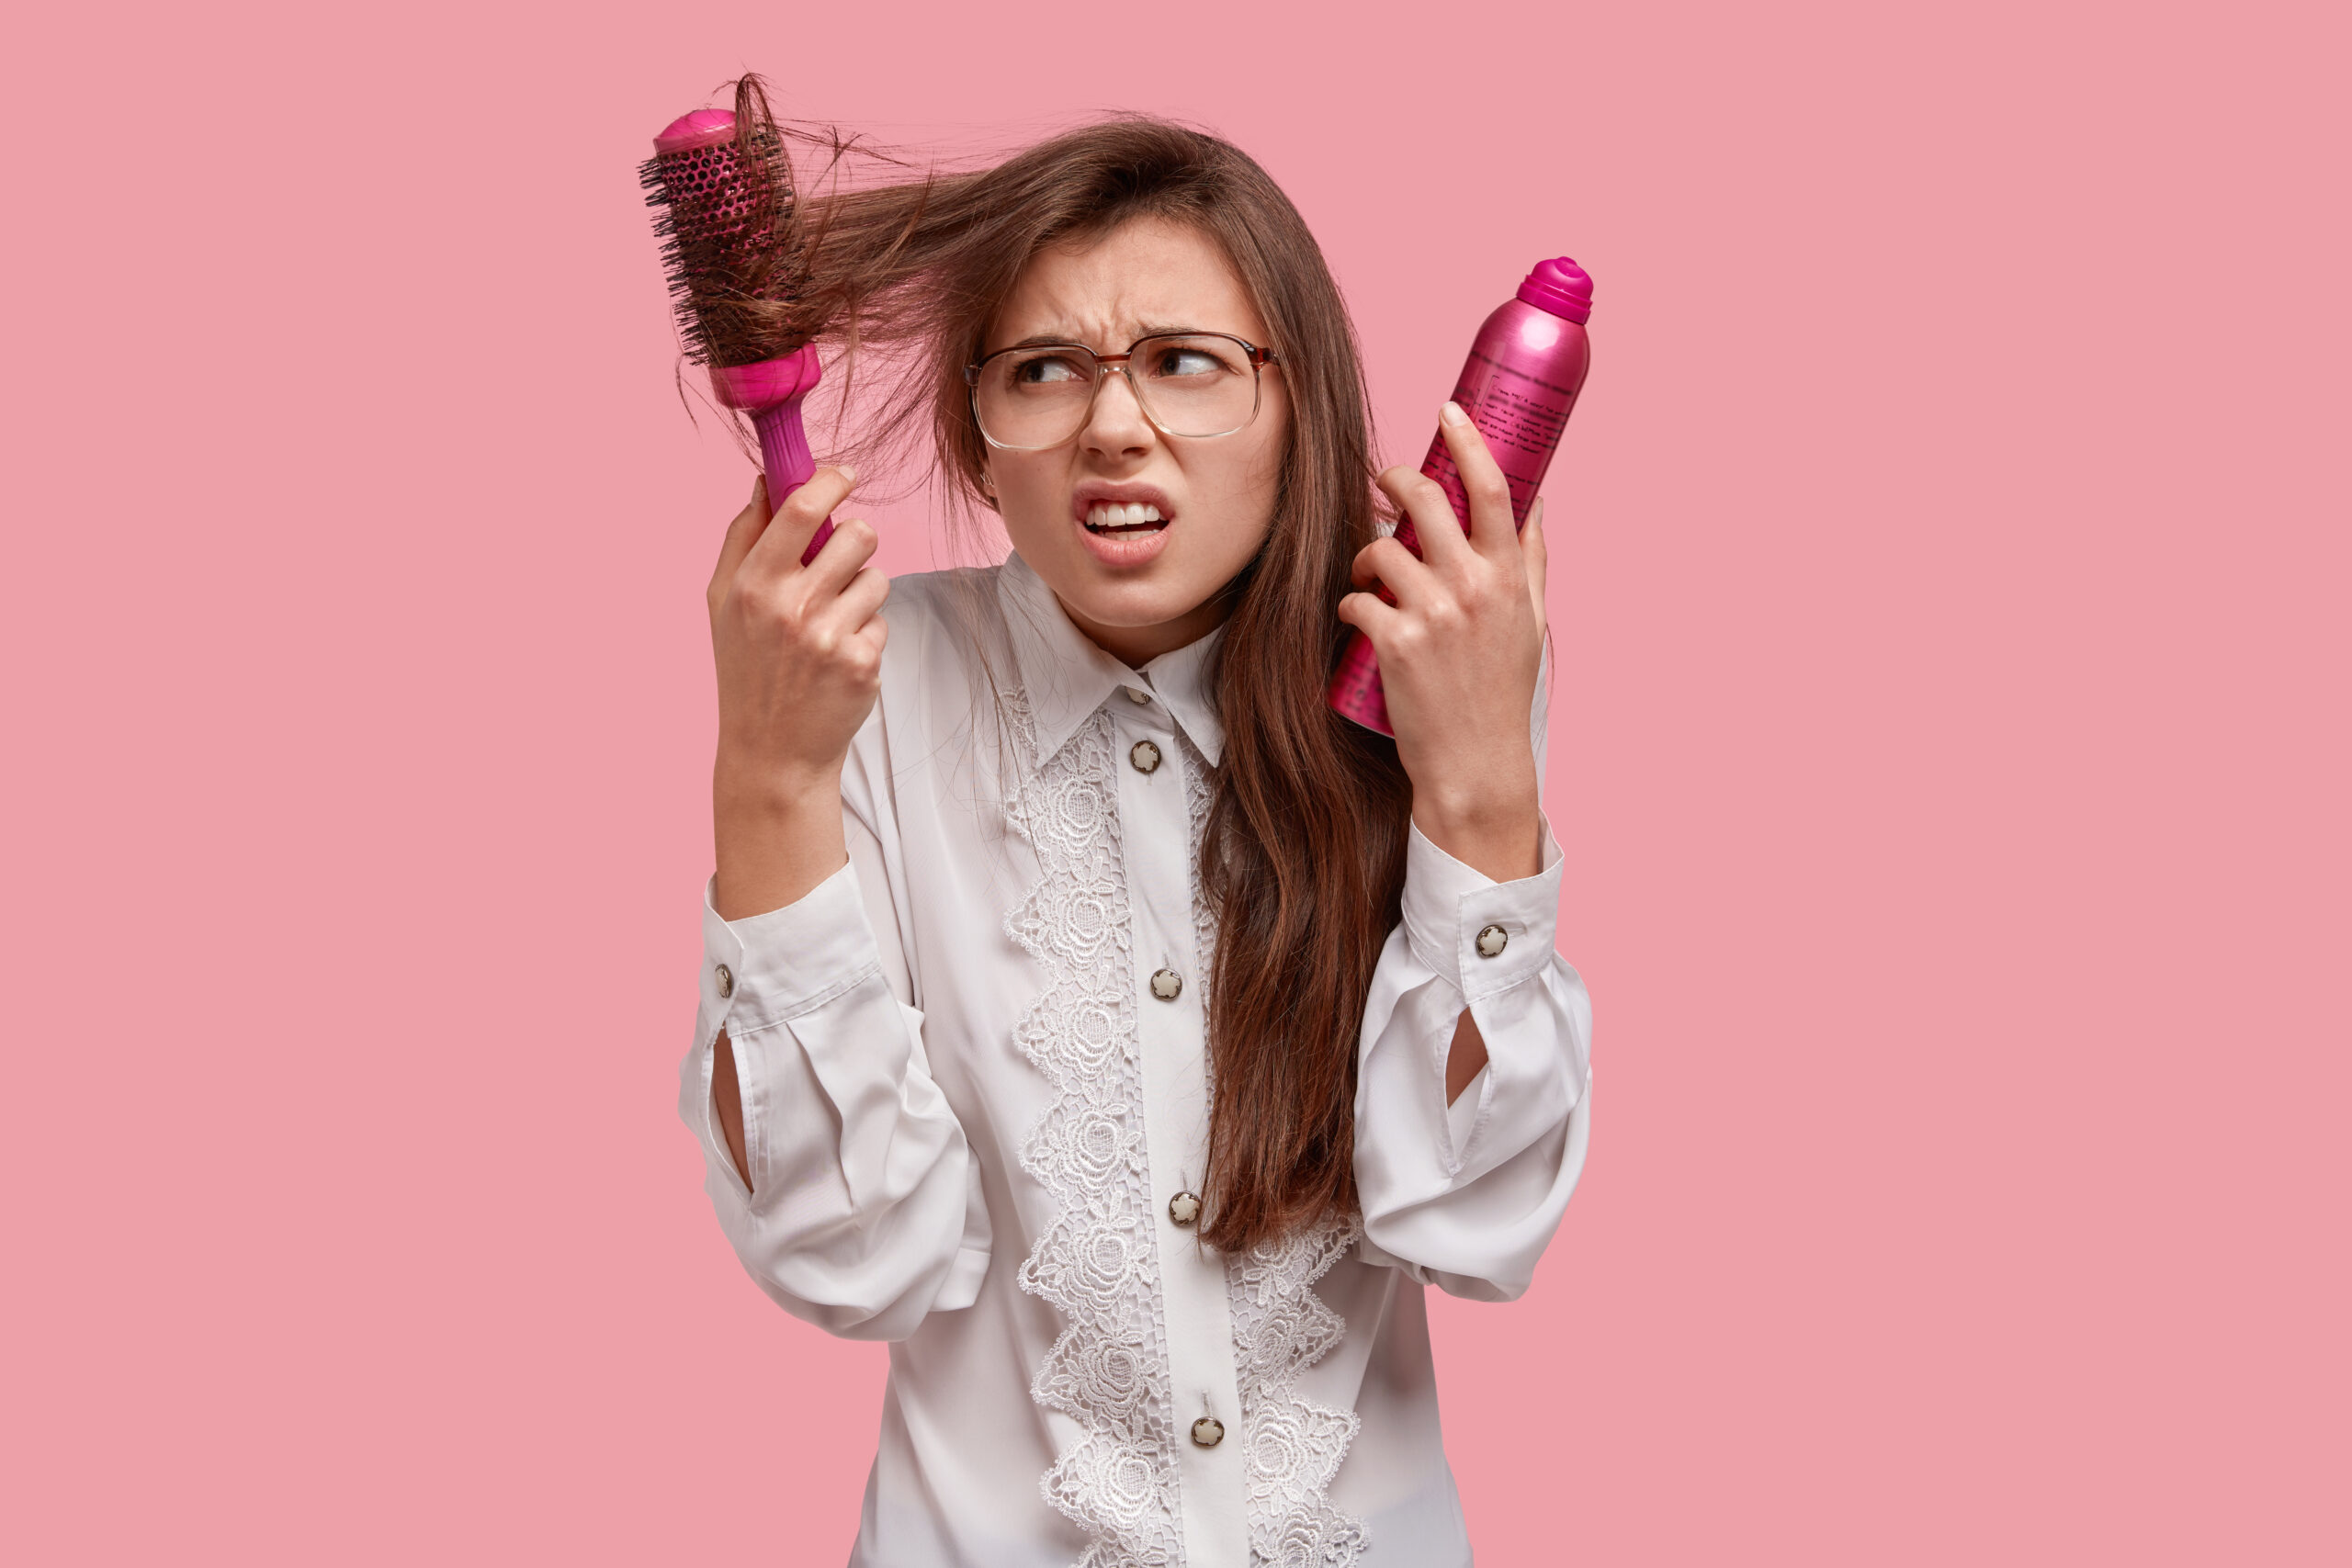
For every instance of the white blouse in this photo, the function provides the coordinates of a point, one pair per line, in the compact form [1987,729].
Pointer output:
[974,1084]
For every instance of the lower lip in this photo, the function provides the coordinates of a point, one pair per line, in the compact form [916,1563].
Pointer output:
[1128,549]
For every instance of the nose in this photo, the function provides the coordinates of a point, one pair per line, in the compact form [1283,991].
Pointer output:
[1115,424]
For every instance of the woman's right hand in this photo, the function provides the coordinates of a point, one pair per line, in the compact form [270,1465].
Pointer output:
[798,650]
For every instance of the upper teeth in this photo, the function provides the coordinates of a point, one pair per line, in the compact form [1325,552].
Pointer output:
[1113,515]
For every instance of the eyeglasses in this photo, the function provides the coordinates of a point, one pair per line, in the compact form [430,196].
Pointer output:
[1195,385]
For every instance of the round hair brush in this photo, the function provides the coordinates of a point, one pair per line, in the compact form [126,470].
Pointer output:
[722,190]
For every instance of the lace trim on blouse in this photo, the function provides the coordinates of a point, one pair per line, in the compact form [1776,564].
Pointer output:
[1098,1262]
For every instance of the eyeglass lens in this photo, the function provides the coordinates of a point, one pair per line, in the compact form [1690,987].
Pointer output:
[1191,385]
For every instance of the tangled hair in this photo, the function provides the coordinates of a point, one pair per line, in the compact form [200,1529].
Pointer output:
[1303,857]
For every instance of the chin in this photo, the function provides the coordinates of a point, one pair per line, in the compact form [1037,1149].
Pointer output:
[1155,589]
[1133,606]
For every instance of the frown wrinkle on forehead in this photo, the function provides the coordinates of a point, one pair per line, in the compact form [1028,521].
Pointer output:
[1145,277]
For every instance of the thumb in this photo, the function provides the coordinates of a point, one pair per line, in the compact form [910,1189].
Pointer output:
[741,535]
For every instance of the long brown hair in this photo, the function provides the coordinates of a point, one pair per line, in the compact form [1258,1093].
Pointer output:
[1303,857]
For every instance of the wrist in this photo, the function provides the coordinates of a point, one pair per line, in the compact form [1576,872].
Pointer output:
[746,786]
[777,834]
[1497,832]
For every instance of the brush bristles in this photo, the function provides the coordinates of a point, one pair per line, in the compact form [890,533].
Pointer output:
[729,240]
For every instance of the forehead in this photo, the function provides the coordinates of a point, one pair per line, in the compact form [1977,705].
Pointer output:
[1148,274]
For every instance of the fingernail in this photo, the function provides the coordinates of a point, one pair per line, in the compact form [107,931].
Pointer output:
[1536,515]
[1451,414]
[849,474]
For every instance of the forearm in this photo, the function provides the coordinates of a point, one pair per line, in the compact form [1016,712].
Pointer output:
[727,1101]
[834,1162]
[774,839]
[1463,1061]
[1494,825]
[1463,1181]
[1496,831]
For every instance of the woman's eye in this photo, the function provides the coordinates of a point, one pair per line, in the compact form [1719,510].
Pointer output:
[1047,369]
[1186,361]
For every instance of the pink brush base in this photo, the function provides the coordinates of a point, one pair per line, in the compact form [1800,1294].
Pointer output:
[788,377]
[771,392]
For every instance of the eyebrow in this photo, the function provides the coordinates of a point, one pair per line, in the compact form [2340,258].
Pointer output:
[1051,340]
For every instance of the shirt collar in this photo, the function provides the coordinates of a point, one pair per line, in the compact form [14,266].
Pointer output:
[1066,677]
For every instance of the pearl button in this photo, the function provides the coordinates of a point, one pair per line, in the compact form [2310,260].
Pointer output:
[1208,1431]
[1144,755]
[726,981]
[1138,694]
[1492,941]
[1185,1208]
[1167,985]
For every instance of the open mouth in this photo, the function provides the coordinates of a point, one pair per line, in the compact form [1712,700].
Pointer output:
[1113,520]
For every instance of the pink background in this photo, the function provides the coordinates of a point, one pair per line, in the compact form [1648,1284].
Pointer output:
[1951,757]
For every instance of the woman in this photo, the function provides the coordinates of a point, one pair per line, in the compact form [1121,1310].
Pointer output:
[1087,1010]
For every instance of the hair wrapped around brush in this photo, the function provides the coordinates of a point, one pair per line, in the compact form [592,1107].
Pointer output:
[732,238]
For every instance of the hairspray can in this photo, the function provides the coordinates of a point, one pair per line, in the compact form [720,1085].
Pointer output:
[1521,378]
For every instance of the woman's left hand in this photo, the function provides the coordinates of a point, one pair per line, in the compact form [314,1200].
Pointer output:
[1460,652]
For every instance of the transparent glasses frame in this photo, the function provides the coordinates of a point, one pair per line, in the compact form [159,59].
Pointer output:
[1259,359]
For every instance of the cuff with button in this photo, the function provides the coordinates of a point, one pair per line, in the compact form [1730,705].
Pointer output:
[1481,936]
[767,968]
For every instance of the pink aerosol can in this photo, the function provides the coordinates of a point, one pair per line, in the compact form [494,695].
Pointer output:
[1525,369]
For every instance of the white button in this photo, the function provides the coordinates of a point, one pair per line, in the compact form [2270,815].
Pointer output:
[726,981]
[1167,985]
[1185,1208]
[1144,755]
[1208,1431]
[1138,694]
[1492,940]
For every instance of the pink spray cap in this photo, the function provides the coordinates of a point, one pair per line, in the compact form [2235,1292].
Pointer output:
[701,129]
[1560,286]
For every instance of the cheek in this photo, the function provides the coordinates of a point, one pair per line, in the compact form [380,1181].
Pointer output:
[1256,480]
[1028,495]
[1268,449]
[1241,494]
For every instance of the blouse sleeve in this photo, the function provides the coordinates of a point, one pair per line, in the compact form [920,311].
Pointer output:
[1466,1197]
[863,1210]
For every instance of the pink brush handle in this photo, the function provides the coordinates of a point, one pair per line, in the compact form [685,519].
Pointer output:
[771,392]
[784,452]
